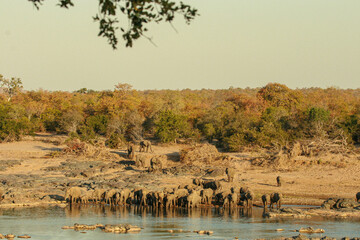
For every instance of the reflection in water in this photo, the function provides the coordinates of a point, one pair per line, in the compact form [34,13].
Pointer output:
[77,210]
[46,223]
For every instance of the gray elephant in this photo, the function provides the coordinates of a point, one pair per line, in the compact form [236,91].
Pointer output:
[276,198]
[214,185]
[233,198]
[278,181]
[193,200]
[181,196]
[265,200]
[145,145]
[221,196]
[98,194]
[151,199]
[247,197]
[230,172]
[169,200]
[157,163]
[110,196]
[142,161]
[358,197]
[73,194]
[160,199]
[125,195]
[206,195]
[198,181]
[131,151]
[86,196]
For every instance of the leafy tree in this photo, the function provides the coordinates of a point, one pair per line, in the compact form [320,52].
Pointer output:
[10,87]
[170,126]
[139,13]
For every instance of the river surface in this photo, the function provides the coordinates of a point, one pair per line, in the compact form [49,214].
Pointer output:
[46,223]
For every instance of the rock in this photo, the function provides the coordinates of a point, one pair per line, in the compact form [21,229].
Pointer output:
[2,236]
[204,232]
[24,236]
[9,236]
[310,230]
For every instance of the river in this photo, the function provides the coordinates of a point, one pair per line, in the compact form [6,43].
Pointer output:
[46,223]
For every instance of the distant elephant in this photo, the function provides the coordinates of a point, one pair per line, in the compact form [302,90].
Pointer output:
[358,197]
[247,197]
[145,145]
[233,198]
[169,200]
[230,172]
[142,161]
[214,185]
[160,199]
[265,200]
[275,198]
[206,195]
[1,194]
[193,200]
[198,181]
[221,196]
[151,199]
[110,196]
[157,163]
[278,180]
[73,194]
[98,194]
[131,151]
[125,194]
[180,196]
[86,196]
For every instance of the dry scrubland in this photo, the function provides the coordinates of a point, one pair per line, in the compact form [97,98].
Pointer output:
[36,171]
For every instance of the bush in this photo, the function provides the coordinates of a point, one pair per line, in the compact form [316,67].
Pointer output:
[114,141]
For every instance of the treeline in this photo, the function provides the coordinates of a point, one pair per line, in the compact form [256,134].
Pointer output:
[234,118]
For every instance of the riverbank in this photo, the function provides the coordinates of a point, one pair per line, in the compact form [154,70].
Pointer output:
[32,172]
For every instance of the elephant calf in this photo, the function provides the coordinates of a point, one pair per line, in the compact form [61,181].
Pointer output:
[265,200]
[278,180]
[206,195]
[145,145]
[275,198]
[230,172]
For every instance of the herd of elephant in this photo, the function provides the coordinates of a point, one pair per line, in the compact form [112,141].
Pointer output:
[194,195]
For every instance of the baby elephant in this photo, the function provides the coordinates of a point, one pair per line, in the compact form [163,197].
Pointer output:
[145,145]
[275,198]
[265,200]
[278,180]
[230,172]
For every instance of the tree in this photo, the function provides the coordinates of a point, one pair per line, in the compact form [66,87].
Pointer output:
[10,86]
[140,13]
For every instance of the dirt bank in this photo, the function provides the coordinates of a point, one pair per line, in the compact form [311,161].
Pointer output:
[32,173]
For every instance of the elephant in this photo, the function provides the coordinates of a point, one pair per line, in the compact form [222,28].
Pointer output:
[86,196]
[198,181]
[206,195]
[145,145]
[221,196]
[226,203]
[125,194]
[98,194]
[169,200]
[230,172]
[265,200]
[110,196]
[180,196]
[247,197]
[73,194]
[278,180]
[193,200]
[357,196]
[142,197]
[151,199]
[160,199]
[131,151]
[243,190]
[233,198]
[157,163]
[275,198]
[214,185]
[142,161]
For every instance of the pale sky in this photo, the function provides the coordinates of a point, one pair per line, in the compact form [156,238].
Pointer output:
[238,43]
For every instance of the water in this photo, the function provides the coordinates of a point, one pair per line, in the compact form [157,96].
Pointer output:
[46,223]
